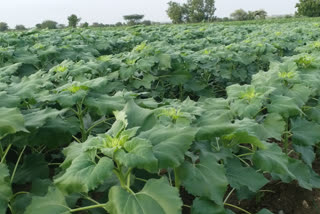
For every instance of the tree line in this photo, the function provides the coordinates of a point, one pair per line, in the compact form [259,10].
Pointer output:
[74,21]
[193,11]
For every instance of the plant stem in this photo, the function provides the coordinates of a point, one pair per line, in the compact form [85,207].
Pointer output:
[128,178]
[228,196]
[286,138]
[17,163]
[80,116]
[97,123]
[242,160]
[89,199]
[246,154]
[18,193]
[1,151]
[4,154]
[176,179]
[87,208]
[74,137]
[140,179]
[238,208]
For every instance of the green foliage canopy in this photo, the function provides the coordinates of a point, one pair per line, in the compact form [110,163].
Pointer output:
[73,20]
[310,8]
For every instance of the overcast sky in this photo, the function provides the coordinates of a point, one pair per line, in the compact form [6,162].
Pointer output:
[31,12]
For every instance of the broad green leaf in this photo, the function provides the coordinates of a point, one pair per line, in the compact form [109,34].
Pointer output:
[20,203]
[137,153]
[284,106]
[239,176]
[305,133]
[8,100]
[300,94]
[156,197]
[204,206]
[169,144]
[247,100]
[307,153]
[34,166]
[145,82]
[105,104]
[164,61]
[137,116]
[240,137]
[5,188]
[52,203]
[11,121]
[301,172]
[205,179]
[36,118]
[71,152]
[272,160]
[274,125]
[86,167]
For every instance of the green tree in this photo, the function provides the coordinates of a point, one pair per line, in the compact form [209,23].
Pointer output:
[258,14]
[118,24]
[146,22]
[61,26]
[73,20]
[309,8]
[3,26]
[196,12]
[175,12]
[209,10]
[133,19]
[239,15]
[193,11]
[47,24]
[261,14]
[20,27]
[84,25]
[96,24]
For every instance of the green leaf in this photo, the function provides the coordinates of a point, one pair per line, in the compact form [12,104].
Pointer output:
[272,160]
[164,61]
[86,167]
[239,176]
[156,197]
[284,106]
[301,173]
[247,100]
[240,137]
[36,118]
[137,153]
[52,203]
[205,179]
[8,100]
[5,188]
[204,206]
[300,94]
[11,121]
[274,125]
[20,203]
[71,152]
[105,104]
[137,116]
[307,153]
[305,133]
[169,144]
[34,166]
